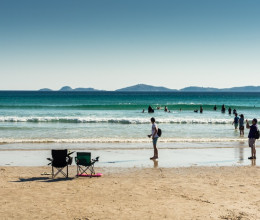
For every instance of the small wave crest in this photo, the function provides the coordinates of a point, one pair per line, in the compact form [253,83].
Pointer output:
[117,140]
[114,120]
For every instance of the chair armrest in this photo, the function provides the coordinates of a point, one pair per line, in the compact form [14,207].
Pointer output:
[70,153]
[95,160]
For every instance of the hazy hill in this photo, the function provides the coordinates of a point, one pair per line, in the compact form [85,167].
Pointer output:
[45,90]
[199,89]
[145,88]
[233,89]
[69,89]
[243,89]
[66,88]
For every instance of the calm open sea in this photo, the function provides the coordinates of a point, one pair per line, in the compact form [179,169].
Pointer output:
[116,117]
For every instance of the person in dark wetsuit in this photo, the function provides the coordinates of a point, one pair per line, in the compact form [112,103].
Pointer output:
[223,109]
[229,111]
[150,109]
[215,108]
[201,109]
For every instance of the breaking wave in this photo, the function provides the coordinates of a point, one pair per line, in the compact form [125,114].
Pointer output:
[118,140]
[114,120]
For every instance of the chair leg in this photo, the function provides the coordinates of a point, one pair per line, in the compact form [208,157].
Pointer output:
[52,172]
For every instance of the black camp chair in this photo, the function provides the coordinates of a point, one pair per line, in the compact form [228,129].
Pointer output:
[84,163]
[60,159]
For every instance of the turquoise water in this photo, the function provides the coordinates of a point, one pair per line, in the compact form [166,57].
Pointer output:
[113,117]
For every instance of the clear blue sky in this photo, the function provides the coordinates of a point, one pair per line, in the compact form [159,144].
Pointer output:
[109,44]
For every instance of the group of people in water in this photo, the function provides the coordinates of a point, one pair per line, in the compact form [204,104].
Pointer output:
[239,122]
[151,110]
[223,109]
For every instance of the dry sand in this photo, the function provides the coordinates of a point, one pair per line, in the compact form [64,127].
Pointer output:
[149,193]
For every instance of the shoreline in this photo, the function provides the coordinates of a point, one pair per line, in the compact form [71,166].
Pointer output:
[138,157]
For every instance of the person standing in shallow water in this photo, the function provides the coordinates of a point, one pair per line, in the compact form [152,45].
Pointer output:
[223,108]
[235,122]
[229,111]
[241,125]
[252,137]
[154,137]
[201,109]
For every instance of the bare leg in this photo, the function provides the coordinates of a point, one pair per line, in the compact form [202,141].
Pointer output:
[253,152]
[155,151]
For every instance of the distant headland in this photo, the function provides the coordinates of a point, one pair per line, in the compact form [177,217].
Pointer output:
[150,88]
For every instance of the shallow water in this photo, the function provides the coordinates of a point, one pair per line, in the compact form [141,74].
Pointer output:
[116,118]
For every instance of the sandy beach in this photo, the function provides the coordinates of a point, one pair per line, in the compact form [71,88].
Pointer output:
[132,193]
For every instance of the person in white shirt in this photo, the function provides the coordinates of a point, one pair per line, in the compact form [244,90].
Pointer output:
[155,137]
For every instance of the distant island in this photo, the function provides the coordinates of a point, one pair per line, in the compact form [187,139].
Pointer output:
[69,89]
[150,88]
[145,88]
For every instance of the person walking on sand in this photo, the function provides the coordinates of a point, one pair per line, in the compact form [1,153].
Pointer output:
[235,122]
[154,137]
[241,124]
[252,137]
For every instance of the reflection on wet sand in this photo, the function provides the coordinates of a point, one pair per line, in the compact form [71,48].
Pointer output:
[253,163]
[155,163]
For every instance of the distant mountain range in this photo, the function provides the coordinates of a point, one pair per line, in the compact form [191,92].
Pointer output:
[69,89]
[149,88]
[233,89]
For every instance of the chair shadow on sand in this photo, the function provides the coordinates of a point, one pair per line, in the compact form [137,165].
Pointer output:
[41,179]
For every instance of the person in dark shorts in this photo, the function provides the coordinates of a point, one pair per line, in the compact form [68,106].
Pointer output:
[155,137]
[241,122]
[252,137]
[235,122]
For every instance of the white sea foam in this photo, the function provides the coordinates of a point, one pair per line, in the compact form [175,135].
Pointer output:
[118,140]
[115,120]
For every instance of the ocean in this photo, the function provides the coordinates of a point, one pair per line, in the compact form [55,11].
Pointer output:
[116,117]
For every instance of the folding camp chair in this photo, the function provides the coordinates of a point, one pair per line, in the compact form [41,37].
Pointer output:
[60,159]
[84,163]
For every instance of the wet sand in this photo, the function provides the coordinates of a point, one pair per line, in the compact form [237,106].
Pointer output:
[127,158]
[132,193]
